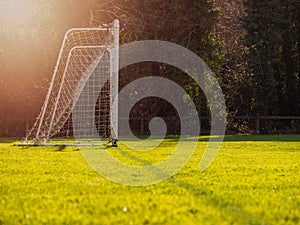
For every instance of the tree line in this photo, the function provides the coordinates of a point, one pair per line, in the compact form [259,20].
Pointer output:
[252,46]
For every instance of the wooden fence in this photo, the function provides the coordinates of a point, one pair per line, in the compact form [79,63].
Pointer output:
[17,127]
[235,124]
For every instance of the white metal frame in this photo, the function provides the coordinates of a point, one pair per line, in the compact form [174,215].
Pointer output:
[115,84]
[114,68]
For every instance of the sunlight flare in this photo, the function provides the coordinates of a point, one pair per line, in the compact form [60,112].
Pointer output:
[16,12]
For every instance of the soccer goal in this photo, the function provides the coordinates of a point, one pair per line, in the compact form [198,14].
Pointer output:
[79,109]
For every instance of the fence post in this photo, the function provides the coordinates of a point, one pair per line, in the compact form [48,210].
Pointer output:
[142,126]
[27,127]
[257,123]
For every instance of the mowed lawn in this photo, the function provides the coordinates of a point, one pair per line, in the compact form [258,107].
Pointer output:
[254,180]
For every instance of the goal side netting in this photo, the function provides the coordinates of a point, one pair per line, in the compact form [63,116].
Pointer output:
[83,88]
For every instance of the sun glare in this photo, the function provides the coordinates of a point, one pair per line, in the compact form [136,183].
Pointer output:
[16,12]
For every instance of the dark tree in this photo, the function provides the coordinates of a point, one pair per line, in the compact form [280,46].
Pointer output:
[272,40]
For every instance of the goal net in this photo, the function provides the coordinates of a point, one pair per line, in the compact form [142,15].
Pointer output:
[84,85]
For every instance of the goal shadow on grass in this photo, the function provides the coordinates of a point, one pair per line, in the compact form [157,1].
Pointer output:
[64,148]
[217,202]
[200,192]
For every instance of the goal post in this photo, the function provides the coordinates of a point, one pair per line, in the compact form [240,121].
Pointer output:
[87,65]
[115,84]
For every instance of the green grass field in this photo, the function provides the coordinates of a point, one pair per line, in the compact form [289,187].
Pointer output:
[254,180]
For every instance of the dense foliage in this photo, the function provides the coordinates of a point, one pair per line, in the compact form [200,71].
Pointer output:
[251,45]
[272,40]
[187,23]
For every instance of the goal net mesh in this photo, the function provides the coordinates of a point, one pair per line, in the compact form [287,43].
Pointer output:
[83,68]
